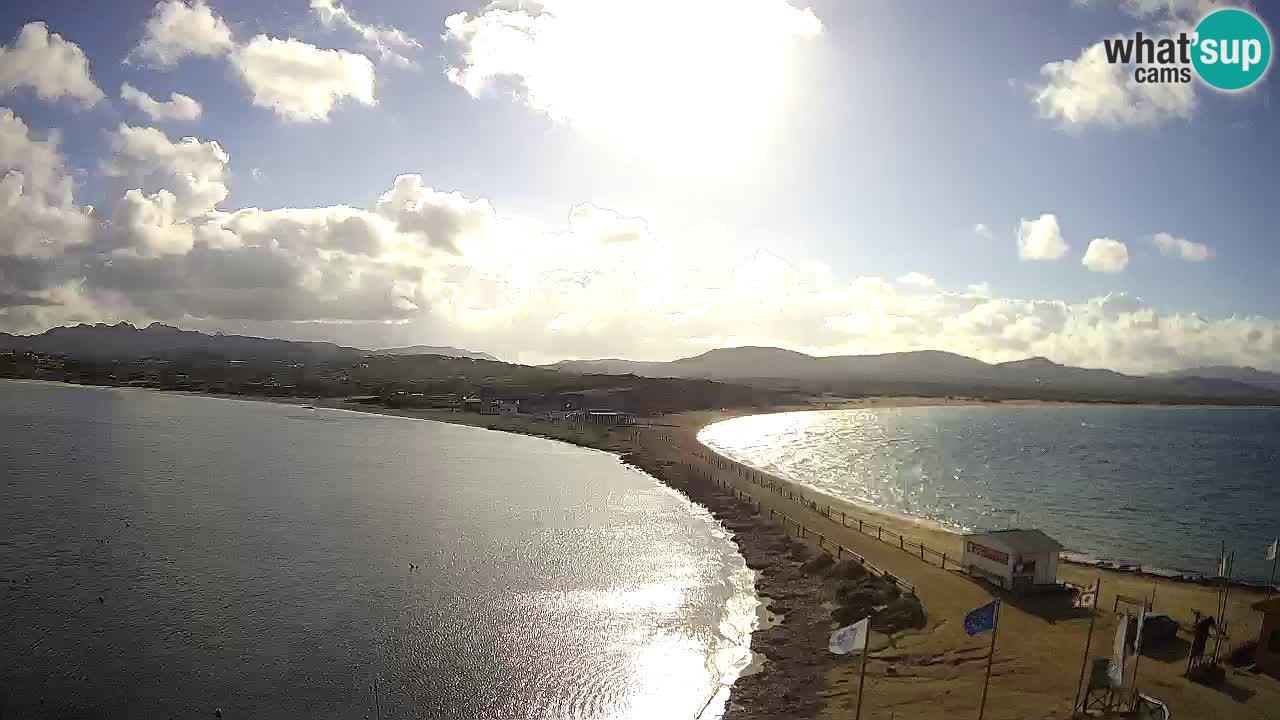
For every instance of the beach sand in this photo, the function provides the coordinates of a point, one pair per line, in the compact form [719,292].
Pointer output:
[936,672]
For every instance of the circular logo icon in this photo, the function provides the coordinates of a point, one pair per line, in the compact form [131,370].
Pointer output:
[1232,49]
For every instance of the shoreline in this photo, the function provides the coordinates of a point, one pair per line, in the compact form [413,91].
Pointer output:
[932,673]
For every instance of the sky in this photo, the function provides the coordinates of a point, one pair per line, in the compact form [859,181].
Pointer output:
[646,179]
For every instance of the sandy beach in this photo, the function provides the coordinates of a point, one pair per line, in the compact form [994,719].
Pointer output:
[935,672]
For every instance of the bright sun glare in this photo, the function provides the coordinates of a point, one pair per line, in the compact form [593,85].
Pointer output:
[686,88]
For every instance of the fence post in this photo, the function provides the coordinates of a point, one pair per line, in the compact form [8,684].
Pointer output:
[902,543]
[839,550]
[859,525]
[944,561]
[880,533]
[922,550]
[842,522]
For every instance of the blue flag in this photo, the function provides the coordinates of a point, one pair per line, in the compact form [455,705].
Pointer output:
[981,619]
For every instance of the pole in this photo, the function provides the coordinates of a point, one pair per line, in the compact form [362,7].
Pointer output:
[862,674]
[1137,656]
[1271,584]
[991,656]
[377,709]
[1088,640]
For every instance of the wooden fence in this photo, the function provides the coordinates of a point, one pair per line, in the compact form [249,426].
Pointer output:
[865,527]
[804,532]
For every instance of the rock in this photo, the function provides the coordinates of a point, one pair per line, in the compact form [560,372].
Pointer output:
[820,564]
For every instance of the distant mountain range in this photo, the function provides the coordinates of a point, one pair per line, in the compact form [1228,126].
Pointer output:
[123,341]
[1247,375]
[445,351]
[929,373]
[935,372]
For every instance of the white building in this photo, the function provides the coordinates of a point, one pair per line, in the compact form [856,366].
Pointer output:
[1012,559]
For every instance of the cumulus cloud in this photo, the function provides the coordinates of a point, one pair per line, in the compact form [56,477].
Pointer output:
[917,279]
[38,215]
[51,66]
[439,219]
[301,82]
[606,226]
[535,291]
[1089,90]
[594,66]
[1106,256]
[1181,247]
[179,29]
[388,41]
[981,230]
[191,171]
[1041,239]
[177,107]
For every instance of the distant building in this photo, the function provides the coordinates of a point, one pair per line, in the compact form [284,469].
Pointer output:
[1012,559]
[508,407]
[601,417]
[1268,653]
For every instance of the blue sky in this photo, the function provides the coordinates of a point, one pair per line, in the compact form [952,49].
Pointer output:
[868,144]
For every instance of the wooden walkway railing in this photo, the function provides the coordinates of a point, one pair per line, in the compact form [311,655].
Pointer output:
[880,532]
[839,551]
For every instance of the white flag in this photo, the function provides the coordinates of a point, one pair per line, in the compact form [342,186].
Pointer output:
[1271,550]
[1225,563]
[850,638]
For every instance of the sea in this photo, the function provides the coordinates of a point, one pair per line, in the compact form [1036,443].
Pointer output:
[165,555]
[1161,489]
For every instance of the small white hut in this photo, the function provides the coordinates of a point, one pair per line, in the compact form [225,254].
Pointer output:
[1012,559]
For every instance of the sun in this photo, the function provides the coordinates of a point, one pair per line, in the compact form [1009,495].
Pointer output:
[683,86]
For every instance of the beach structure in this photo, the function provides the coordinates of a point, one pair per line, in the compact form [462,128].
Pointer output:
[1268,653]
[1012,559]
[601,417]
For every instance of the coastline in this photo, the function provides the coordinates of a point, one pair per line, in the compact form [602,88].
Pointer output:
[931,673]
[935,672]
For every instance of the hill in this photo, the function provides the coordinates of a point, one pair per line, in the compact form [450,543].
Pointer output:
[932,373]
[1246,375]
[124,342]
[442,350]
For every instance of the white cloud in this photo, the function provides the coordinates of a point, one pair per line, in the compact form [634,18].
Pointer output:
[1090,90]
[53,67]
[178,29]
[1041,239]
[301,82]
[38,215]
[917,279]
[1175,246]
[615,69]
[981,230]
[177,107]
[439,219]
[386,40]
[1106,255]
[193,172]
[534,291]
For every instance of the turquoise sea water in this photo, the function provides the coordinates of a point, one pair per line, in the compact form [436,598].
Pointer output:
[1160,487]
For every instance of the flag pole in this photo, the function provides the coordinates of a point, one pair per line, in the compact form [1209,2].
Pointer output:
[991,655]
[862,674]
[1275,555]
[1137,654]
[1226,592]
[1088,639]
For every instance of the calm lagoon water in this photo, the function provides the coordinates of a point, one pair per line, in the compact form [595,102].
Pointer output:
[1158,486]
[255,558]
